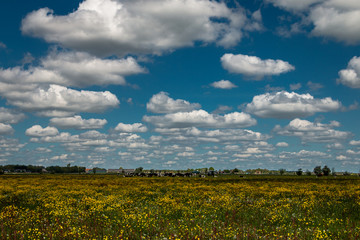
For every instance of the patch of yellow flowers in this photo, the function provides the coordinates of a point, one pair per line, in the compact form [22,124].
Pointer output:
[112,207]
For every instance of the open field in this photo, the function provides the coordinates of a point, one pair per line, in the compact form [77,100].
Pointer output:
[112,207]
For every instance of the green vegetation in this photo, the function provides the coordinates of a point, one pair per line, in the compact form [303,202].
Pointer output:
[224,207]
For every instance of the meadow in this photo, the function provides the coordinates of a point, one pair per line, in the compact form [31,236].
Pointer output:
[113,207]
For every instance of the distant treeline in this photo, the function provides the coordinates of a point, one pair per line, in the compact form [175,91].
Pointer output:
[40,169]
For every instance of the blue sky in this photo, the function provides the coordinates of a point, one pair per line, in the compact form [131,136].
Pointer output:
[180,84]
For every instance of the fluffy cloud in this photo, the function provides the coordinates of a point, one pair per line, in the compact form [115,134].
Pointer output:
[351,75]
[289,105]
[354,143]
[162,103]
[10,116]
[352,152]
[60,157]
[63,137]
[81,69]
[73,69]
[335,146]
[195,136]
[201,118]
[226,135]
[93,134]
[313,132]
[5,129]
[105,27]
[186,154]
[223,84]
[336,19]
[8,144]
[303,154]
[38,131]
[136,127]
[61,101]
[341,157]
[43,150]
[254,66]
[170,163]
[282,144]
[77,122]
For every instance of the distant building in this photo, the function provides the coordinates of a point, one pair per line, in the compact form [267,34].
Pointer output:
[115,171]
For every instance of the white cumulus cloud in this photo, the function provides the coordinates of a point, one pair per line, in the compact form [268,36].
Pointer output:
[106,27]
[201,118]
[336,19]
[282,144]
[63,137]
[60,101]
[303,154]
[162,103]
[77,122]
[223,84]
[354,142]
[341,157]
[313,132]
[5,129]
[254,66]
[10,116]
[289,105]
[186,154]
[81,69]
[73,69]
[351,75]
[38,131]
[135,127]
[60,157]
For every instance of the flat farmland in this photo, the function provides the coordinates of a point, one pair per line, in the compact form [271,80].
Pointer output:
[113,207]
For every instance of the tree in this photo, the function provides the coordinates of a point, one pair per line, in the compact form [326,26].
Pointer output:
[308,173]
[299,172]
[94,170]
[211,169]
[318,171]
[139,170]
[326,170]
[282,171]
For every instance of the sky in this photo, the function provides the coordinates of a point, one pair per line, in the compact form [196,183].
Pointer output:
[178,84]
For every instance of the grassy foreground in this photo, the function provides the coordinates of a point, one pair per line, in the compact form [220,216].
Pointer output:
[112,207]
